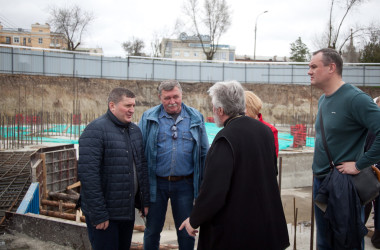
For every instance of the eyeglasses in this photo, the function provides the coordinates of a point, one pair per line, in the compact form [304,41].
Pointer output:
[174,132]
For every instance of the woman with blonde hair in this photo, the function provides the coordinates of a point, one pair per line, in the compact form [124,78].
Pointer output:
[253,105]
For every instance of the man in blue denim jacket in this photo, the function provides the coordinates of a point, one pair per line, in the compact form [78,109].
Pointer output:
[176,144]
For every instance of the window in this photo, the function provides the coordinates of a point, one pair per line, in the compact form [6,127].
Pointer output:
[8,40]
[24,41]
[29,40]
[195,54]
[176,53]
[186,54]
[16,39]
[40,40]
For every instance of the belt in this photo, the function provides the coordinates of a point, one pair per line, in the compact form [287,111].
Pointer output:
[176,178]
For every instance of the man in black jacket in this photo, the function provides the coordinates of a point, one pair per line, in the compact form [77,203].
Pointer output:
[239,204]
[113,173]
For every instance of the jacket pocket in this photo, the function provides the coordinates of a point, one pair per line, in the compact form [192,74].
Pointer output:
[161,143]
[188,142]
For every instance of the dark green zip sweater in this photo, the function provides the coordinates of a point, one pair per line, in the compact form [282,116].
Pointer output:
[348,114]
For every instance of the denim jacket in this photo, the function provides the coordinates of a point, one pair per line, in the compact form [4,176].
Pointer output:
[150,127]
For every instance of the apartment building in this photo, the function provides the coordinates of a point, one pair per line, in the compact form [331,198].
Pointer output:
[39,36]
[190,47]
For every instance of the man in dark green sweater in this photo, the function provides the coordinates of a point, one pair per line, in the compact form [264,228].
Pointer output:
[348,114]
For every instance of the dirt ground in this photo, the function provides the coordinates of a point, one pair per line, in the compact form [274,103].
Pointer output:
[302,197]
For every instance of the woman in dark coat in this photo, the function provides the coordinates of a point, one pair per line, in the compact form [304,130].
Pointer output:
[239,204]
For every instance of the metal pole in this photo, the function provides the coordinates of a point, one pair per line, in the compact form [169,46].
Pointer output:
[280,175]
[43,62]
[175,70]
[200,72]
[312,218]
[128,68]
[223,72]
[245,73]
[12,60]
[363,75]
[101,66]
[254,53]
[153,70]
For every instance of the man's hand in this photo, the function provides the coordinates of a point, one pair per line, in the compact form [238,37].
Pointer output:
[103,225]
[190,230]
[146,210]
[348,168]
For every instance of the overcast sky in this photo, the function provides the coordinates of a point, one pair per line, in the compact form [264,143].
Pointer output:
[118,20]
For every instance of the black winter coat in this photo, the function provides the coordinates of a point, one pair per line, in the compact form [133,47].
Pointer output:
[239,204]
[107,149]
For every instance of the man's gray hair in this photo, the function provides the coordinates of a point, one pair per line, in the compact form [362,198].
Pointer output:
[168,85]
[229,96]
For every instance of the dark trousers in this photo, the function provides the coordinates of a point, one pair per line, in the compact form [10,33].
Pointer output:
[181,195]
[117,236]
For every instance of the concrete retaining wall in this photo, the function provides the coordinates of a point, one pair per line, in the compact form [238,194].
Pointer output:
[296,168]
[63,232]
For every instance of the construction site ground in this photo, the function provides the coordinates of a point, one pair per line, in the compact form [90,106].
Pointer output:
[301,197]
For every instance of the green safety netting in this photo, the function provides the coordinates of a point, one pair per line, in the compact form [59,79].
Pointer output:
[285,140]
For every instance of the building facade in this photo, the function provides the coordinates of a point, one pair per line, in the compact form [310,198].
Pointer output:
[39,36]
[190,47]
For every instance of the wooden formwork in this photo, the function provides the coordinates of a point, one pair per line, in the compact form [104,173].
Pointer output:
[55,168]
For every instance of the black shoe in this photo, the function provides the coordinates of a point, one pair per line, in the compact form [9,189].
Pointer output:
[375,239]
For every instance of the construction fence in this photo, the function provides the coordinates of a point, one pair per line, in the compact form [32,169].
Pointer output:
[34,61]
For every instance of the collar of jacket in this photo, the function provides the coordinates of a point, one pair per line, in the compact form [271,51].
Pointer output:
[195,119]
[232,118]
[116,121]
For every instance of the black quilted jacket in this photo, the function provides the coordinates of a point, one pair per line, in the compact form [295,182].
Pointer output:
[107,149]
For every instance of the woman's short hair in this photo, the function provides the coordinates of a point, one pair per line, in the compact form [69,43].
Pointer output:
[228,95]
[253,104]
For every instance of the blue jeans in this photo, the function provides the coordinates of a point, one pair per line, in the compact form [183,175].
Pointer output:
[181,194]
[118,235]
[320,222]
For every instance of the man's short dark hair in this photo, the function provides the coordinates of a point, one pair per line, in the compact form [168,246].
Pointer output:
[117,94]
[331,56]
[169,85]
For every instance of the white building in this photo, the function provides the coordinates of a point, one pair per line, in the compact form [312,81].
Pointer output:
[189,47]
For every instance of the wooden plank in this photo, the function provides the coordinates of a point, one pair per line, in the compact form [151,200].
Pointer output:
[44,174]
[57,204]
[76,184]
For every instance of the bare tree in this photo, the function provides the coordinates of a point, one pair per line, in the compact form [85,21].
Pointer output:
[155,45]
[213,21]
[161,39]
[134,47]
[334,29]
[71,21]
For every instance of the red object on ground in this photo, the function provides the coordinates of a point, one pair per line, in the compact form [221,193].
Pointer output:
[299,133]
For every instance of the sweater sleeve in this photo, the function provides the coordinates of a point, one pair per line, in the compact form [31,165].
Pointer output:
[368,114]
[215,185]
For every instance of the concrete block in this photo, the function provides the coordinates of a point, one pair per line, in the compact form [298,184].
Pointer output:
[63,232]
[296,168]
